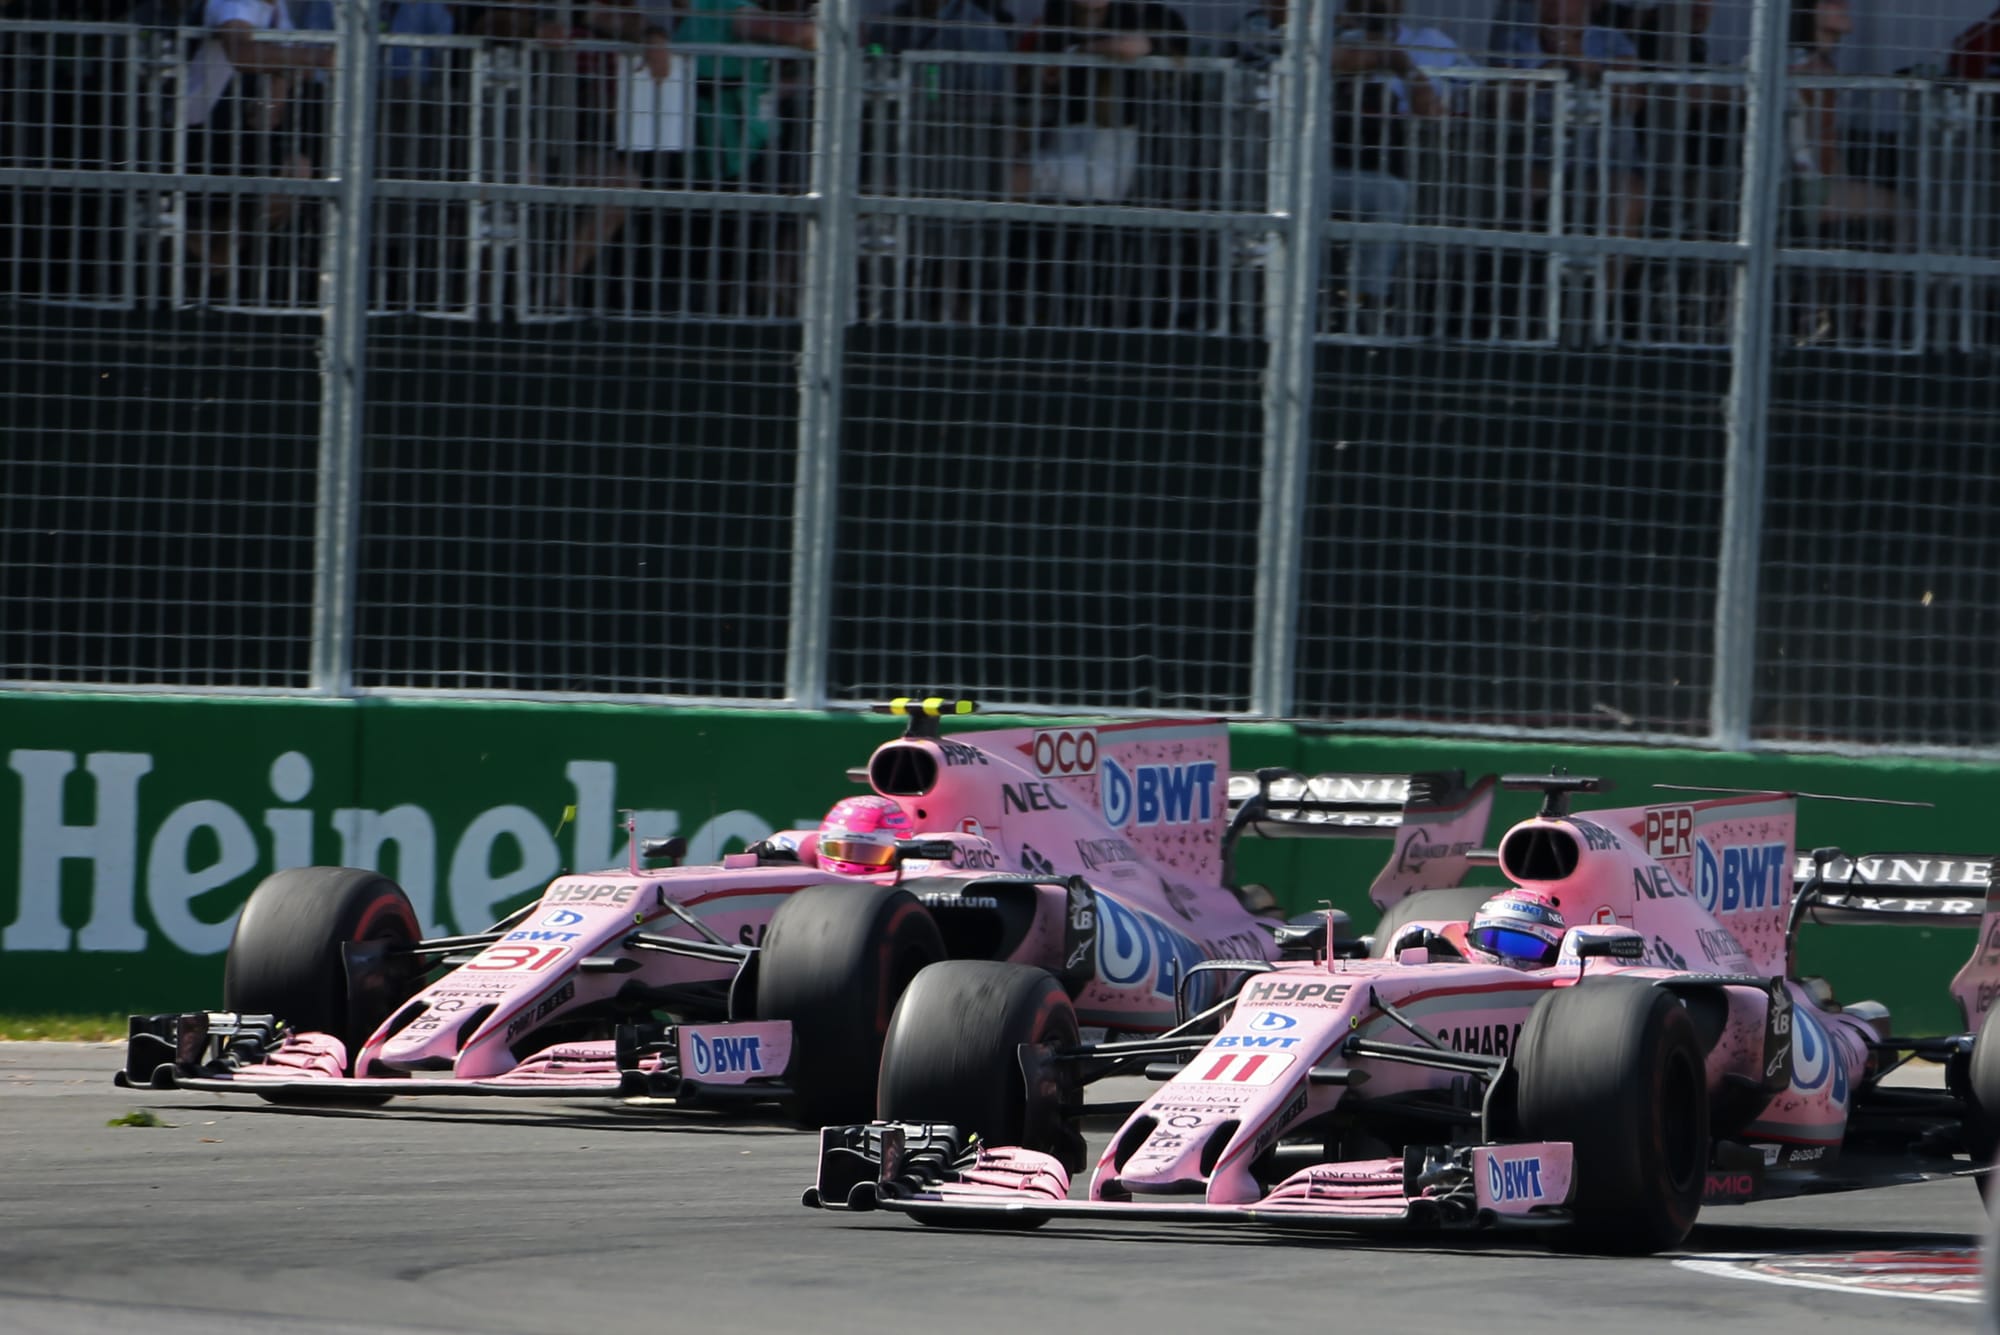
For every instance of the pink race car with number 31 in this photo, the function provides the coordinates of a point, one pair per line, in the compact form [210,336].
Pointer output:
[1098,855]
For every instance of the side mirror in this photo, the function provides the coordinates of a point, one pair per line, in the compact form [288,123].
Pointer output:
[1614,947]
[675,848]
[937,850]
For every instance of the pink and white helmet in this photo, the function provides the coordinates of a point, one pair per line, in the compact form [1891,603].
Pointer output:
[859,835]
[1521,928]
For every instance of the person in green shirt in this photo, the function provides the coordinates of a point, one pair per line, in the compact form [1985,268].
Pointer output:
[734,120]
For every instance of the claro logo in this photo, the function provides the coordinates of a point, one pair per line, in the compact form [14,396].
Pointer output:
[207,844]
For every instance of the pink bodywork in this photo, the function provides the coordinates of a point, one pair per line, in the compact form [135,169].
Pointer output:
[1977,985]
[1705,886]
[1137,807]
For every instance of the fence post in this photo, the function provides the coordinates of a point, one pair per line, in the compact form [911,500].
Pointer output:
[827,302]
[1298,193]
[1747,419]
[343,348]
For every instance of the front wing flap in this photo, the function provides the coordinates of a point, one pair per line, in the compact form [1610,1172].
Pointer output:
[936,1173]
[689,1065]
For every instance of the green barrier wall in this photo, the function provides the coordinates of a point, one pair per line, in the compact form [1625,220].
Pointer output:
[131,828]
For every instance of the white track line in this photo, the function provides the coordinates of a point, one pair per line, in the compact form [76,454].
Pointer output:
[1726,1264]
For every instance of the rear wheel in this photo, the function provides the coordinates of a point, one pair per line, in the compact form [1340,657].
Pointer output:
[1982,1113]
[1616,1069]
[834,962]
[286,958]
[953,1052]
[1456,904]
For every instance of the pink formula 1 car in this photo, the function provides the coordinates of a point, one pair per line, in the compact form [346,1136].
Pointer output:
[1604,1048]
[1096,857]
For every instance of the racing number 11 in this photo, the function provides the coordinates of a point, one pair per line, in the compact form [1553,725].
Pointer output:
[1245,1068]
[529,959]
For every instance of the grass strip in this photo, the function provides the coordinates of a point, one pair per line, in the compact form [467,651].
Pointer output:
[62,1028]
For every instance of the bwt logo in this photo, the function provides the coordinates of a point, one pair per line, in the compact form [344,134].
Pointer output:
[1135,949]
[1815,1061]
[726,1056]
[1159,794]
[1514,1179]
[1750,877]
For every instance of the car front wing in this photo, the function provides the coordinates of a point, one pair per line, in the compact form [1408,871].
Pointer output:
[936,1173]
[706,1065]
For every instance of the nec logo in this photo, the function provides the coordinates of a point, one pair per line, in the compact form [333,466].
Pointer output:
[1514,1179]
[1031,796]
[1750,877]
[722,1055]
[1158,794]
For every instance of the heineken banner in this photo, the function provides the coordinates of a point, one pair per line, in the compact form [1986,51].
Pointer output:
[132,828]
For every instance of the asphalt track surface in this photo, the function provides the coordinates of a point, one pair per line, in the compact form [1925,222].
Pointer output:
[462,1215]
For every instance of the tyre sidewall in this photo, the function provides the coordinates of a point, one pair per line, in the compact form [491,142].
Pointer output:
[1982,1112]
[285,957]
[1616,1069]
[834,963]
[953,1051]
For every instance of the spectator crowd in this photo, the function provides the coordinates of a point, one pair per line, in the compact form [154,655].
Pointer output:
[1596,112]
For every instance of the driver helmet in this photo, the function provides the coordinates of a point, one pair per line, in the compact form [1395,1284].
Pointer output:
[859,835]
[1521,928]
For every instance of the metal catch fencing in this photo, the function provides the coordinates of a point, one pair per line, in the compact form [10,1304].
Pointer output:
[746,373]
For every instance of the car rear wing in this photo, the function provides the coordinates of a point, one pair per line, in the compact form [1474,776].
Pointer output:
[1914,890]
[1911,889]
[1437,820]
[1282,804]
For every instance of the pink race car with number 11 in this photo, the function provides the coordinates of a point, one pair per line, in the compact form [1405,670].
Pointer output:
[1609,1043]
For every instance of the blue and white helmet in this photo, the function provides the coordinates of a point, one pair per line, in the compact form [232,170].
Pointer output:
[1520,928]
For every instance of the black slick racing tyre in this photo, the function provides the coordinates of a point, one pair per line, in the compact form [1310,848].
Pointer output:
[1457,903]
[953,1052]
[285,956]
[1982,1103]
[1615,1067]
[834,961]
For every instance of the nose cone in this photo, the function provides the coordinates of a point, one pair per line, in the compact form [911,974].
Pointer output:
[428,1043]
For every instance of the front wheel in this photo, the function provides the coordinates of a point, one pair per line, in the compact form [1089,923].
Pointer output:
[954,1052]
[834,962]
[286,957]
[1615,1068]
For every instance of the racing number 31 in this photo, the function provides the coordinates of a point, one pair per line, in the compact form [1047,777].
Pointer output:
[527,959]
